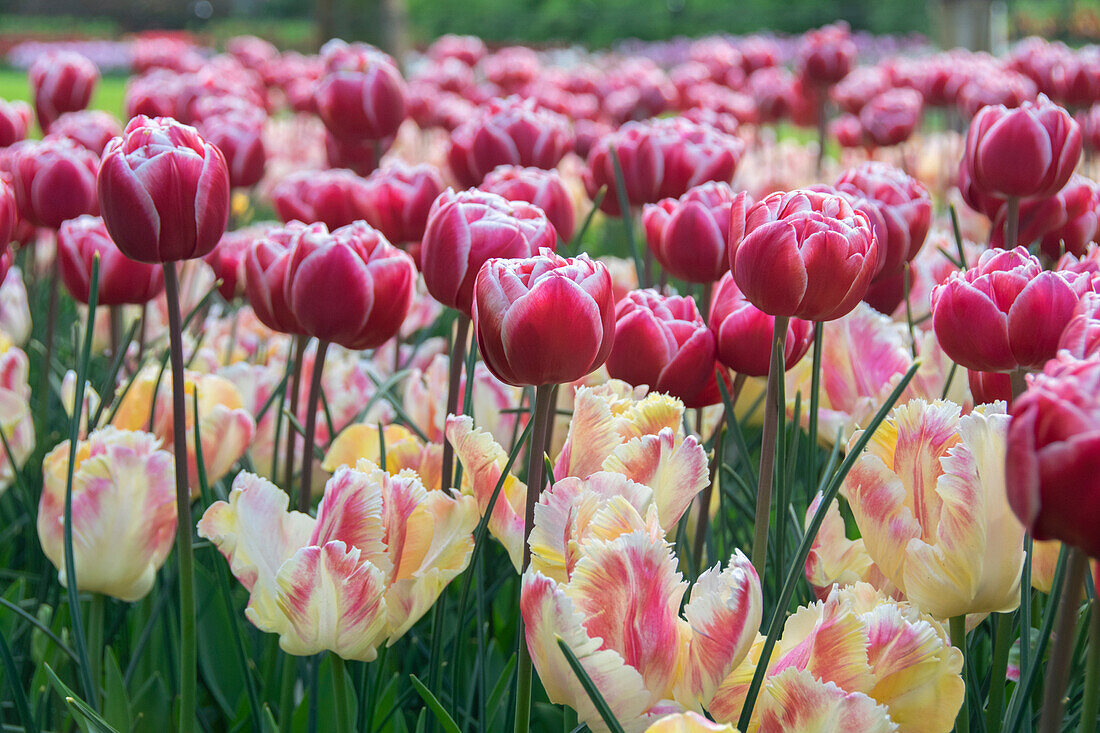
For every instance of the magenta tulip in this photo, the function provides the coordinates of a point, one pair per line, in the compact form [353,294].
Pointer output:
[333,197]
[54,180]
[89,128]
[121,280]
[361,94]
[62,81]
[688,235]
[397,199]
[744,333]
[543,188]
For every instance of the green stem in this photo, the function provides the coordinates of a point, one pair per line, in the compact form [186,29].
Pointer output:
[305,496]
[1090,706]
[286,692]
[1002,642]
[815,401]
[294,386]
[458,354]
[96,610]
[762,520]
[188,665]
[543,415]
[958,639]
[340,693]
[1061,656]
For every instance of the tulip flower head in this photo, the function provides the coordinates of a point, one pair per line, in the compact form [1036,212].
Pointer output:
[89,128]
[54,180]
[397,198]
[15,119]
[163,191]
[15,410]
[744,333]
[361,94]
[62,81]
[542,188]
[241,143]
[265,282]
[121,280]
[688,235]
[335,198]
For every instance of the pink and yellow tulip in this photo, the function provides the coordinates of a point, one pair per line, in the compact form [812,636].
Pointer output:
[15,411]
[689,722]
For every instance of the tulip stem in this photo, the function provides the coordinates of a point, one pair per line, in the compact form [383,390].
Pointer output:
[458,355]
[1012,221]
[294,386]
[541,420]
[1002,642]
[96,610]
[188,668]
[1019,382]
[815,401]
[958,639]
[1061,656]
[762,520]
[51,328]
[1090,707]
[821,130]
[304,496]
[340,693]
[700,542]
[115,323]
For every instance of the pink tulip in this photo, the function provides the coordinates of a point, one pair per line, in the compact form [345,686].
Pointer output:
[891,117]
[542,188]
[90,128]
[1081,199]
[1081,336]
[121,280]
[467,49]
[241,142]
[859,87]
[54,180]
[397,198]
[62,81]
[826,55]
[334,198]
[265,279]
[361,94]
[688,235]
[744,333]
[15,118]
[227,259]
[360,156]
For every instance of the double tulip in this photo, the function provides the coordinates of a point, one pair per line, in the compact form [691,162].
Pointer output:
[361,94]
[54,180]
[688,235]
[333,197]
[743,333]
[89,128]
[826,55]
[121,280]
[61,81]
[542,188]
[397,198]
[891,117]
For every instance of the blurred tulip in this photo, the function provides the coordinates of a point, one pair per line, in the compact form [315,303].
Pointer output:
[265,281]
[8,214]
[744,333]
[350,287]
[1089,120]
[542,188]
[228,258]
[54,180]
[688,235]
[163,191]
[1081,336]
[466,229]
[15,119]
[397,198]
[241,142]
[360,156]
[1081,199]
[826,55]
[121,280]
[891,117]
[334,198]
[467,49]
[16,420]
[859,87]
[688,722]
[803,254]
[640,159]
[1006,312]
[989,387]
[123,509]
[1053,441]
[375,559]
[90,128]
[61,81]
[361,94]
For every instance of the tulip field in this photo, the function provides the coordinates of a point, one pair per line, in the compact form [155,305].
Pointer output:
[729,384]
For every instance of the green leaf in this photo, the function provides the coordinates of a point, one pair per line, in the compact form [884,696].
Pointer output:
[86,716]
[594,695]
[151,707]
[19,695]
[116,703]
[435,706]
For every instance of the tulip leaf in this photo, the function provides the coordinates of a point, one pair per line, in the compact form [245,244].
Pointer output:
[594,695]
[435,706]
[575,243]
[86,716]
[116,703]
[19,695]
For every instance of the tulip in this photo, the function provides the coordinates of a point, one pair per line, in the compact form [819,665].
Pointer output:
[1089,120]
[640,159]
[350,287]
[1052,444]
[803,254]
[688,235]
[361,94]
[16,420]
[989,387]
[359,156]
[8,214]
[333,197]
[891,117]
[1005,313]
[507,132]
[1082,225]
[859,87]
[228,258]
[54,180]
[375,559]
[265,280]
[662,341]
[743,332]
[511,67]
[857,660]
[396,200]
[241,143]
[826,55]
[848,131]
[121,280]
[542,188]
[15,118]
[62,81]
[123,510]
[91,129]
[468,228]
[545,319]
[163,191]
[1081,336]
[688,722]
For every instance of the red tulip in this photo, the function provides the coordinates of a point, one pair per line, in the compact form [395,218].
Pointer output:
[361,94]
[1081,201]
[1081,336]
[826,55]
[1027,152]
[641,160]
[803,254]
[350,287]
[545,319]
[335,198]
[467,228]
[1089,120]
[121,280]
[904,204]
[265,282]
[54,180]
[163,191]
[397,198]
[15,118]
[1053,448]
[694,154]
[359,156]
[1076,81]
[155,94]
[688,235]
[987,387]
[507,132]
[62,81]
[860,87]
[89,128]
[744,333]
[543,188]
[227,259]
[1004,313]
[661,341]
[891,117]
[848,131]
[241,142]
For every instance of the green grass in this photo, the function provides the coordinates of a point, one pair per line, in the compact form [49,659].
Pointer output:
[108,95]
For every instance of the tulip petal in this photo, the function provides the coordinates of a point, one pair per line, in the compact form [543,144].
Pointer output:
[676,474]
[351,512]
[795,702]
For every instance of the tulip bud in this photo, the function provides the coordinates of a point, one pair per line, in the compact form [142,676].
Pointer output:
[124,511]
[662,342]
[241,142]
[265,282]
[62,81]
[640,159]
[1053,445]
[361,94]
[54,180]
[1006,312]
[803,254]
[688,235]
[350,287]
[507,132]
[744,333]
[15,118]
[359,156]
[891,117]
[543,188]
[121,280]
[163,191]
[545,319]
[826,55]
[467,228]
[89,128]
[397,199]
[1027,152]
[334,198]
